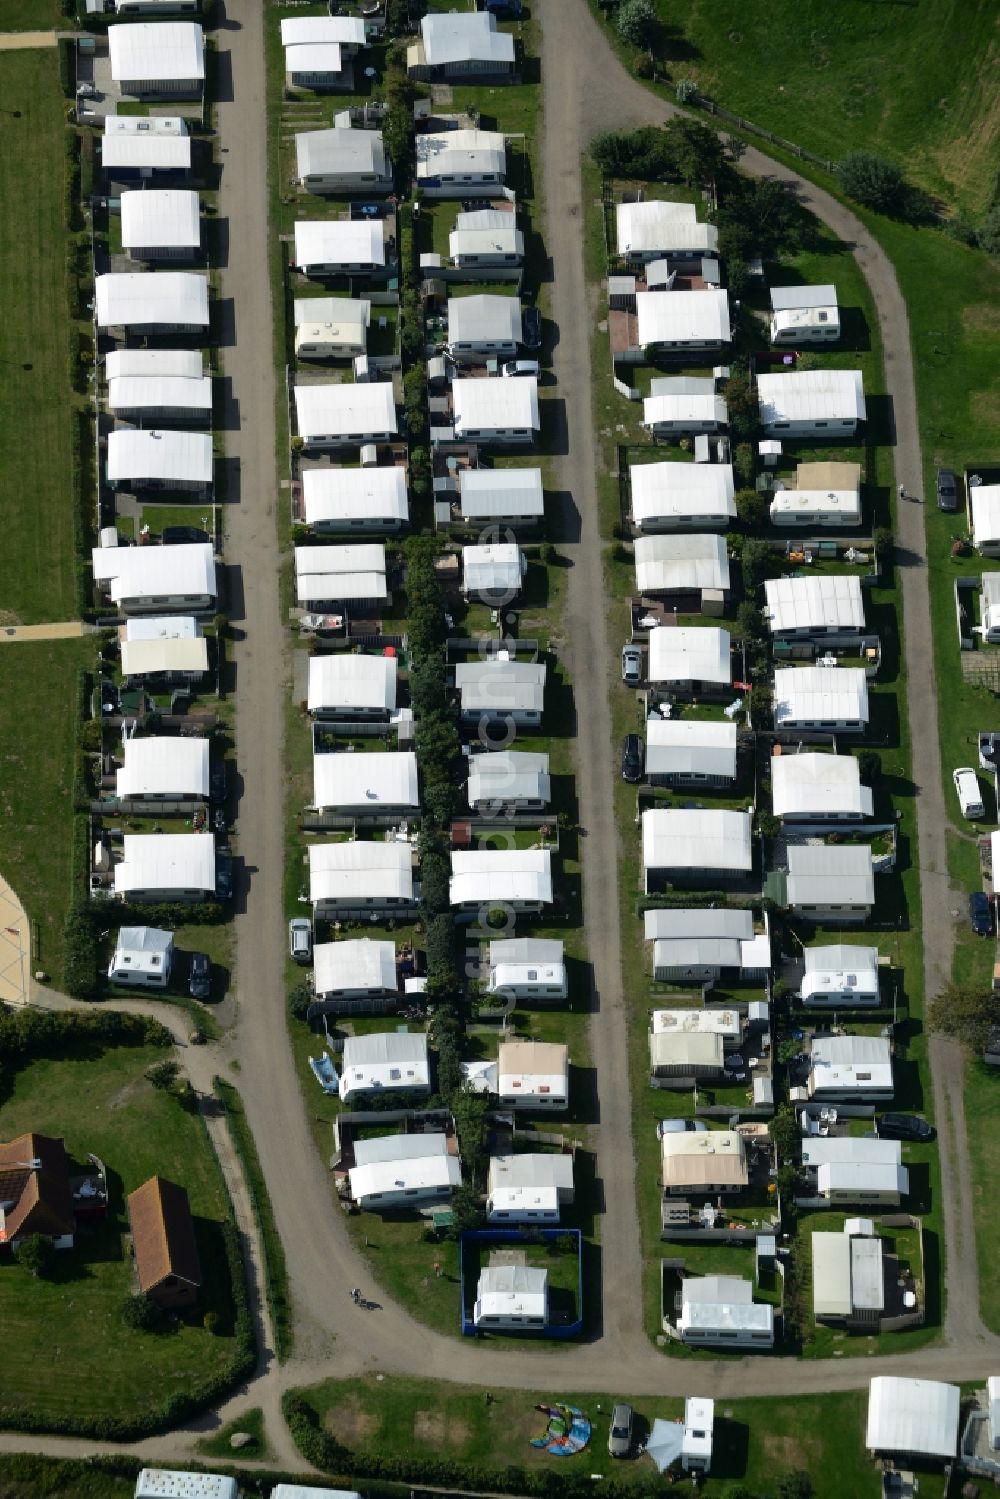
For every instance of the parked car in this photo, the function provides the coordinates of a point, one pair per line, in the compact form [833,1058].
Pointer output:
[223,873]
[904,1127]
[173,536]
[620,1435]
[217,781]
[947,489]
[300,939]
[970,798]
[633,759]
[632,664]
[522,367]
[200,976]
[980,913]
[366,211]
[531,328]
[680,1126]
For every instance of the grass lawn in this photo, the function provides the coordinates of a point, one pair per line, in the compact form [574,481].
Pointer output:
[982,1110]
[99,1101]
[836,78]
[252,1424]
[37,561]
[756,1442]
[38,686]
[32,15]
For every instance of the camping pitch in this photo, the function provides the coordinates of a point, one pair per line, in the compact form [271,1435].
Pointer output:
[568,1430]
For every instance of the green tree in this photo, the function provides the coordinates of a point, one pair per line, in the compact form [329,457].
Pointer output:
[741,403]
[638,22]
[745,462]
[749,622]
[466,1210]
[785,1133]
[299,1000]
[870,766]
[751,508]
[37,1255]
[873,182]
[965,1012]
[140,1314]
[754,559]
[163,1074]
[696,153]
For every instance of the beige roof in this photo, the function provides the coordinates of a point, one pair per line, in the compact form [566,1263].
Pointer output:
[828,476]
[533,1056]
[716,1158]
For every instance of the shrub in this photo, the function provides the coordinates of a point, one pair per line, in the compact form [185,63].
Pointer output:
[140,1314]
[637,22]
[873,182]
[80,971]
[212,1323]
[745,462]
[163,1074]
[299,1001]
[686,92]
[751,508]
[36,1255]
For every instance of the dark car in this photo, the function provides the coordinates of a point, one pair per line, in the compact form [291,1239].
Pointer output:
[200,976]
[223,874]
[182,535]
[217,781]
[531,328]
[633,758]
[980,913]
[366,210]
[904,1127]
[947,489]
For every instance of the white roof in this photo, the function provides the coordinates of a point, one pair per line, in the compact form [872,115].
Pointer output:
[683,316]
[142,949]
[714,921]
[147,656]
[156,51]
[831,1275]
[486,492]
[526,950]
[472,152]
[722,1303]
[850,1150]
[161,1483]
[690,746]
[161,766]
[168,152]
[356,870]
[487,231]
[509,777]
[811,395]
[433,1168]
[342,681]
[827,876]
[913,1415]
[454,37]
[485,318]
[348,411]
[495,685]
[512,1172]
[164,364]
[143,572]
[689,490]
[356,964]
[492,876]
[511,1291]
[160,393]
[348,313]
[355,493]
[665,564]
[856,1063]
[787,298]
[526,963]
[384,1060]
[680,406]
[148,454]
[817,783]
[679,838]
[819,603]
[166,861]
[839,968]
[699,1426]
[703,1022]
[493,567]
[304,1491]
[845,504]
[858,1181]
[533,1068]
[985,500]
[370,780]
[340,153]
[167,220]
[645,228]
[820,694]
[146,298]
[685,1049]
[340,572]
[345,31]
[493,402]
[145,125]
[340,242]
[690,654]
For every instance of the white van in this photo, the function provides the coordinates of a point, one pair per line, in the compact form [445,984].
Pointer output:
[522,367]
[969,796]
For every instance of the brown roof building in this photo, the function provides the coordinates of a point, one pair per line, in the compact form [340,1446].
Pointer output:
[35,1196]
[166,1256]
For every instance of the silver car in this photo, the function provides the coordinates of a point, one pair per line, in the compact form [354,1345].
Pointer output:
[620,1435]
[300,939]
[632,665]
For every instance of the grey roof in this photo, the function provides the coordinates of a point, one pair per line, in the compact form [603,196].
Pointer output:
[484,318]
[501,685]
[819,875]
[718,922]
[787,298]
[539,950]
[867,1289]
[699,952]
[399,1148]
[385,1046]
[534,1170]
[531,1279]
[340,153]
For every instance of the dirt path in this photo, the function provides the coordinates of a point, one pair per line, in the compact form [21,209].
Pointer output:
[72,629]
[20,41]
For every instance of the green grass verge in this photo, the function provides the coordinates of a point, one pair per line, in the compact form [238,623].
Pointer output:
[252,1425]
[31,15]
[275,1271]
[98,1099]
[37,560]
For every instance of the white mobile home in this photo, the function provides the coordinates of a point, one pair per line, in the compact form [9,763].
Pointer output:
[683,404]
[984,503]
[167,462]
[161,225]
[682,564]
[528,1188]
[823,607]
[319,49]
[495,410]
[690,659]
[341,500]
[671,231]
[164,770]
[838,975]
[511,1298]
[343,161]
[152,302]
[818,788]
[352,687]
[486,236]
[690,752]
[812,403]
[520,878]
[913,1418]
[533,1075]
[680,322]
[528,968]
[456,46]
[331,327]
[384,1063]
[338,247]
[493,572]
[137,147]
[804,315]
[503,781]
[128,8]
[341,576]
[162,1483]
[332,416]
[707,1164]
[501,496]
[855,1170]
[831,885]
[166,867]
[361,879]
[158,59]
[848,1280]
[685,847]
[856,1069]
[684,1054]
[486,326]
[375,783]
[461,163]
[718,1311]
[403,1171]
[143,957]
[698,946]
[157,579]
[354,969]
[821,697]
[163,648]
[146,384]
[497,688]
[825,494]
[682,496]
